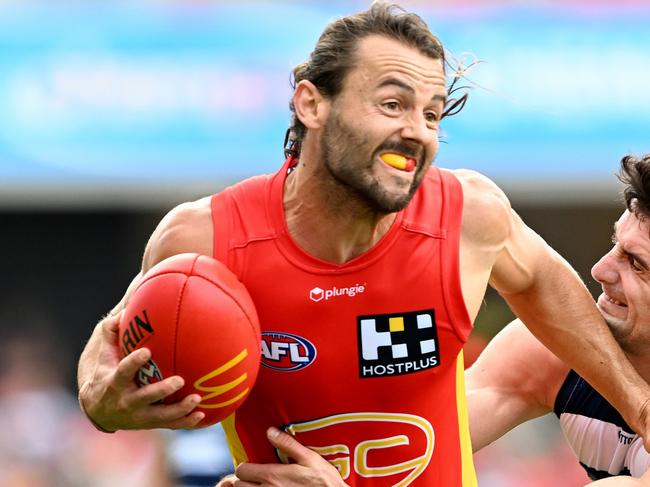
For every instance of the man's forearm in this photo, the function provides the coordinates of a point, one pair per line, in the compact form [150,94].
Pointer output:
[559,310]
[88,358]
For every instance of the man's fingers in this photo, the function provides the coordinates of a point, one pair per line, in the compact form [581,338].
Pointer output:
[234,481]
[228,481]
[153,393]
[289,445]
[109,349]
[189,421]
[129,366]
[168,412]
[175,416]
[111,323]
[257,472]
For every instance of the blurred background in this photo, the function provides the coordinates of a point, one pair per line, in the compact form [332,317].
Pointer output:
[112,112]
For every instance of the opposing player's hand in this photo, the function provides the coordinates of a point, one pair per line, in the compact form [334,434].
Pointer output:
[310,468]
[113,401]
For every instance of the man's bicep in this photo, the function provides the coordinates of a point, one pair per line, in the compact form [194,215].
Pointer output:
[492,413]
[167,239]
[186,228]
[522,258]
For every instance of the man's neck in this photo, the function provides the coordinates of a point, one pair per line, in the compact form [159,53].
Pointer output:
[326,220]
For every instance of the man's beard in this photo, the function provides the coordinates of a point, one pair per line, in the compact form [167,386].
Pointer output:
[349,158]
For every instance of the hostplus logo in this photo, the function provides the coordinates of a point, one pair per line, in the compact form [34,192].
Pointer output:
[396,344]
[317,294]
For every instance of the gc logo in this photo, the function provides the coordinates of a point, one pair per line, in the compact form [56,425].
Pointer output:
[393,446]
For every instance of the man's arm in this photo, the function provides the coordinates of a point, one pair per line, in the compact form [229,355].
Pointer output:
[515,379]
[546,294]
[107,390]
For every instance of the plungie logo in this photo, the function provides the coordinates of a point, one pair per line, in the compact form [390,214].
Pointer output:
[286,352]
[317,294]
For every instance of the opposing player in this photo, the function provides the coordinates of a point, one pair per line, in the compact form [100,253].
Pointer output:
[516,378]
[367,266]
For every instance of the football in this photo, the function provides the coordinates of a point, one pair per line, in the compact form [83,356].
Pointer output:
[199,322]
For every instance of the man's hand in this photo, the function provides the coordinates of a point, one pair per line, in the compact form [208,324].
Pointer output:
[112,400]
[310,468]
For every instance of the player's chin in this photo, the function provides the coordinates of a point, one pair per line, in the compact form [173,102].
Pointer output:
[616,323]
[614,319]
[399,183]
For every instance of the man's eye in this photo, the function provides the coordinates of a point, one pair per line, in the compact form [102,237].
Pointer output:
[635,265]
[391,106]
[431,117]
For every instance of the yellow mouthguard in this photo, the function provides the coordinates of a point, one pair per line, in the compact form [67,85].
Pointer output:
[395,160]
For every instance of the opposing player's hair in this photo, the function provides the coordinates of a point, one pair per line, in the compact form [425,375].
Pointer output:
[635,174]
[335,52]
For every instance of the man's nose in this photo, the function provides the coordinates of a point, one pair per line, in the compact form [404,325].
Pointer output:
[417,129]
[604,271]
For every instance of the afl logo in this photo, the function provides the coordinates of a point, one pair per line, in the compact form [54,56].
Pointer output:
[149,374]
[286,352]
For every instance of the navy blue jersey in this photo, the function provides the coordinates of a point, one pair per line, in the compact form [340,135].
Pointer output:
[603,442]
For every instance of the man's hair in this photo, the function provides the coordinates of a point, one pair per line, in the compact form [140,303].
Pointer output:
[335,52]
[635,174]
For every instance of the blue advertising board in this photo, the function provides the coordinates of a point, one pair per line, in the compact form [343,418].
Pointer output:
[120,98]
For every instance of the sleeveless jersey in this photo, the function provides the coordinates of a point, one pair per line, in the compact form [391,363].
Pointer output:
[603,442]
[361,361]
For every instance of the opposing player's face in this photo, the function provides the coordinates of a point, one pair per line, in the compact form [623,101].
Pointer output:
[391,102]
[624,274]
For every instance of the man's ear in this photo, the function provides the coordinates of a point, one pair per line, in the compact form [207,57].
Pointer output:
[311,107]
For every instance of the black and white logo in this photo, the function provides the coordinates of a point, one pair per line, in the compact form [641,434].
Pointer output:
[149,374]
[396,344]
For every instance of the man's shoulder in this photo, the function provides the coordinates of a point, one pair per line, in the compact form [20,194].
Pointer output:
[185,228]
[252,184]
[197,214]
[487,212]
[479,190]
[189,227]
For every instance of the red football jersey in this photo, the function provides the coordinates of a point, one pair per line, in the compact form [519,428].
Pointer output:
[361,361]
